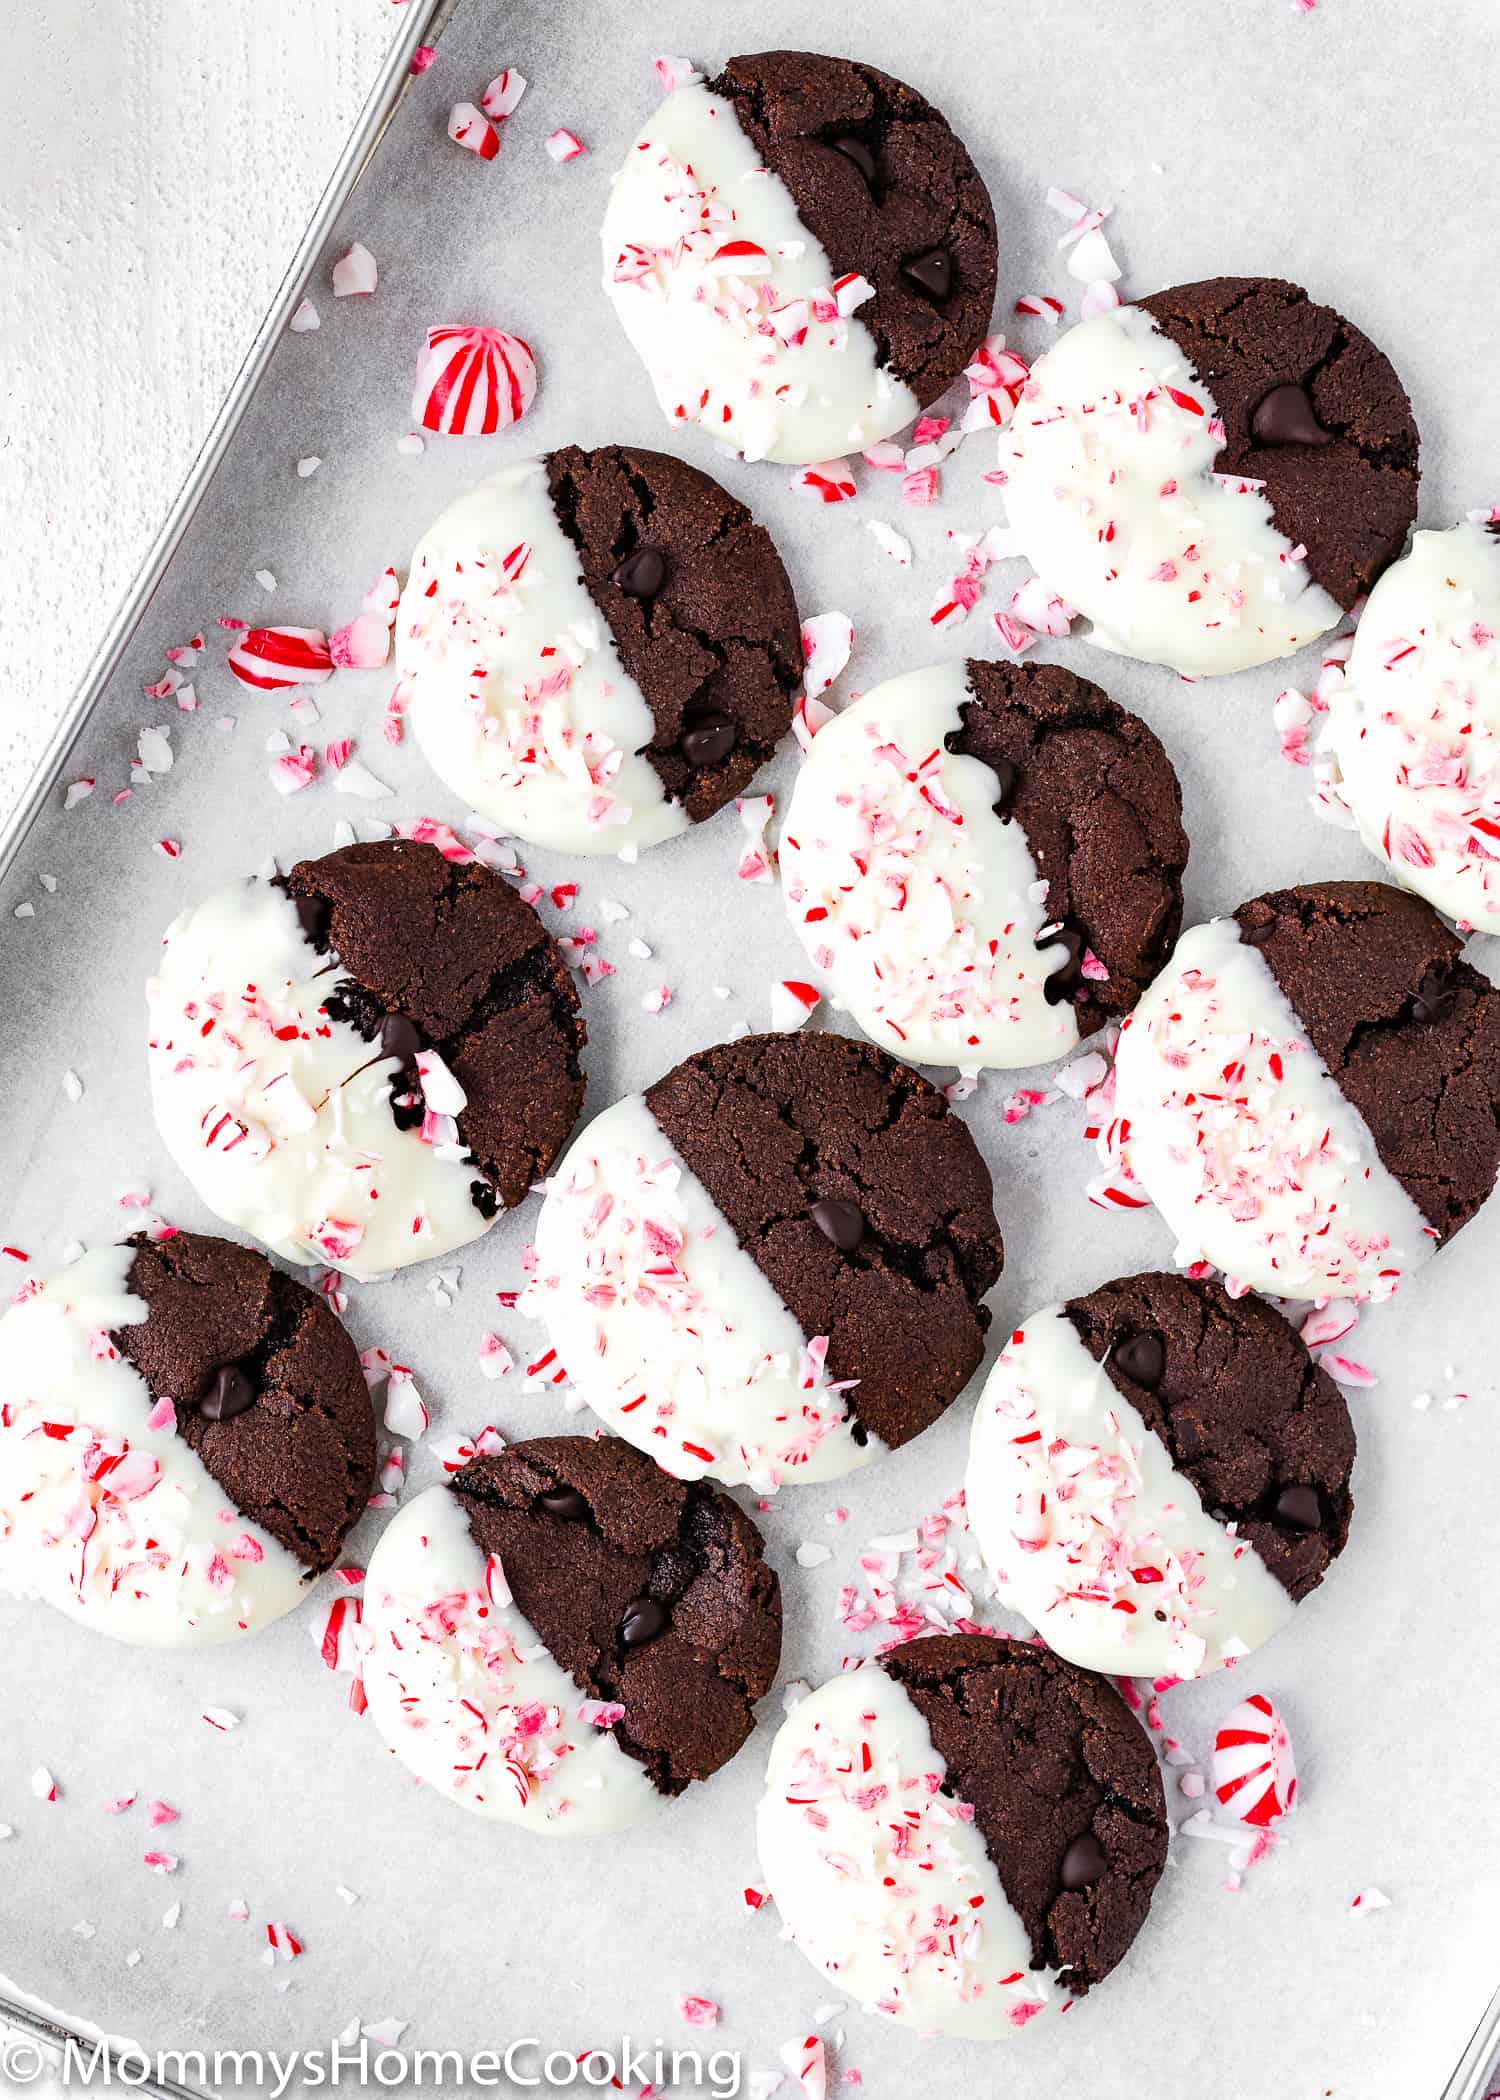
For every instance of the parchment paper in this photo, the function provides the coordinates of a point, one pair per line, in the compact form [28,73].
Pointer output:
[1351,148]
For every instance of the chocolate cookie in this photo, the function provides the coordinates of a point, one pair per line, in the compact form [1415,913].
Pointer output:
[798,316]
[1214,475]
[267,1386]
[985,860]
[599,648]
[700,608]
[984,1812]
[1313,1089]
[1158,1473]
[770,1265]
[633,1617]
[217,1415]
[362,1063]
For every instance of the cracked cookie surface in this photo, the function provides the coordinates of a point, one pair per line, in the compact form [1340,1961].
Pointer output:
[1097,797]
[1063,1784]
[715,647]
[649,1591]
[775,1125]
[294,1448]
[456,952]
[1410,1032]
[1260,1430]
[884,185]
[1343,486]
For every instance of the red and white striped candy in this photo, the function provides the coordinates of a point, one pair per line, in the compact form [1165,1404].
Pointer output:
[471,128]
[503,93]
[1255,1773]
[473,381]
[791,1003]
[830,480]
[270,659]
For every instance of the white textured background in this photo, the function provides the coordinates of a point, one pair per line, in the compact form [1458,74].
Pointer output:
[158,162]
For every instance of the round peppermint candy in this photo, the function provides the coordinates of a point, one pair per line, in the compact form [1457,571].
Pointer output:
[185,1441]
[364,1062]
[984,861]
[1158,1474]
[598,648]
[953,1830]
[1214,475]
[1310,1091]
[564,1637]
[1414,725]
[769,1267]
[802,253]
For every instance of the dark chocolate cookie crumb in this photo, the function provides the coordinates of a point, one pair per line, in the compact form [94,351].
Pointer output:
[1260,1430]
[1099,802]
[1064,1787]
[776,1127]
[295,1448]
[886,189]
[455,954]
[1312,409]
[649,1591]
[1410,1032]
[700,608]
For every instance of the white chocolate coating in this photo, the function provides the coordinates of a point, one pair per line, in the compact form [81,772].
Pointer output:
[918,904]
[517,694]
[882,1880]
[1090,1531]
[117,1523]
[666,1326]
[280,1118]
[466,1694]
[1112,493]
[1415,723]
[732,305]
[1245,1142]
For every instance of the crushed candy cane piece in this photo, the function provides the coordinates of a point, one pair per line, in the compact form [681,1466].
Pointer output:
[471,128]
[355,275]
[792,1003]
[503,93]
[473,381]
[563,145]
[272,659]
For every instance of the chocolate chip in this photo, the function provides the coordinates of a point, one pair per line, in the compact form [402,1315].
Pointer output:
[841,1222]
[641,574]
[1143,1359]
[710,740]
[399,1038]
[856,150]
[485,1198]
[931,273]
[565,1503]
[1083,1862]
[1287,417]
[1299,1509]
[313,915]
[643,1621]
[229,1394]
[1434,999]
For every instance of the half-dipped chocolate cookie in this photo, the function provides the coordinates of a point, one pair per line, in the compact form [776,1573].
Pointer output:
[984,861]
[598,648]
[1158,1474]
[1312,1090]
[769,1267]
[363,1062]
[563,1636]
[802,253]
[1414,725]
[1214,475]
[956,1827]
[185,1441]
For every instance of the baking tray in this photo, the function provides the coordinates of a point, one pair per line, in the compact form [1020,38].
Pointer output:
[1344,147]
